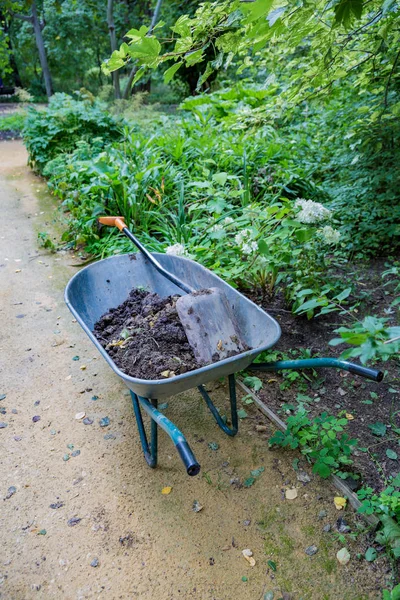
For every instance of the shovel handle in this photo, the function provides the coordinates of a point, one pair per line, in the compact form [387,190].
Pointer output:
[120,223]
[113,222]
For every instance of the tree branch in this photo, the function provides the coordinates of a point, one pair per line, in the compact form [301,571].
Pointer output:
[21,17]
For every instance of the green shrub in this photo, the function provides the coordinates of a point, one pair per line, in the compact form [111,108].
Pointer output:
[57,129]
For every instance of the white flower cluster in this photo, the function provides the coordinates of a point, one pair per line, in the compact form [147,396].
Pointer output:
[216,227]
[176,250]
[330,235]
[245,242]
[228,221]
[311,212]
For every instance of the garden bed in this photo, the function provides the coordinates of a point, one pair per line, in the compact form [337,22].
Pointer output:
[369,407]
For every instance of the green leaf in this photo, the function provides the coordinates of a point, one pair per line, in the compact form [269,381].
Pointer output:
[146,50]
[263,248]
[242,414]
[371,554]
[220,178]
[192,58]
[303,235]
[249,482]
[272,565]
[343,295]
[253,382]
[396,481]
[169,73]
[311,304]
[391,454]
[257,472]
[346,10]
[378,428]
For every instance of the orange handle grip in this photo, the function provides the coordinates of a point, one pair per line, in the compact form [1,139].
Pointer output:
[113,221]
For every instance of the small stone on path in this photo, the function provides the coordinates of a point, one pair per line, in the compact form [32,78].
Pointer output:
[36,418]
[11,491]
[95,562]
[311,550]
[87,421]
[303,477]
[3,425]
[326,528]
[73,521]
[342,526]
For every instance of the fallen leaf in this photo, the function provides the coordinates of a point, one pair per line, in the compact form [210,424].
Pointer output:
[83,367]
[248,555]
[80,415]
[271,380]
[343,556]
[18,270]
[261,428]
[349,416]
[166,490]
[339,502]
[291,494]
[341,392]
[68,378]
[272,565]
[226,548]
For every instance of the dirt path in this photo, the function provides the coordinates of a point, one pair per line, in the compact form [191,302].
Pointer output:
[147,545]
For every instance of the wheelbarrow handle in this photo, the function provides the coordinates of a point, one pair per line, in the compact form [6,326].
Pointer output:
[316,363]
[120,223]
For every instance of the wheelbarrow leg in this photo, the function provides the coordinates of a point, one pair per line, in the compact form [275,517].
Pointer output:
[177,437]
[234,418]
[150,453]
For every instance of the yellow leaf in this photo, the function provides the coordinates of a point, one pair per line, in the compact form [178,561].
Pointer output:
[349,416]
[272,380]
[166,490]
[340,502]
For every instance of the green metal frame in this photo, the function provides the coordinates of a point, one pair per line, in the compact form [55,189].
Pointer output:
[150,451]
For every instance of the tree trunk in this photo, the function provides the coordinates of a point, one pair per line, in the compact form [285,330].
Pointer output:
[42,50]
[113,40]
[153,23]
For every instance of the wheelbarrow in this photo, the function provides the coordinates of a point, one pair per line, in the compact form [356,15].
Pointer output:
[105,284]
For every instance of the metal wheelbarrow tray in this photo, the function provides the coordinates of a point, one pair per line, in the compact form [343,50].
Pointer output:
[107,283]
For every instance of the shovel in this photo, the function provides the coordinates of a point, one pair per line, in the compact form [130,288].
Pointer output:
[206,315]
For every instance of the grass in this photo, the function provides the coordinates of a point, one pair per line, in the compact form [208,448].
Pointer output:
[12,122]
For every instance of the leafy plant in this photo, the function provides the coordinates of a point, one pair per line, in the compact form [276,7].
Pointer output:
[322,440]
[62,124]
[372,337]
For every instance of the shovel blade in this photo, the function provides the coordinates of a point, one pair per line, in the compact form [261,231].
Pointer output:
[210,325]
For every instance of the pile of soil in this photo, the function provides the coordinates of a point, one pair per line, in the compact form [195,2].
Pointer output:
[145,338]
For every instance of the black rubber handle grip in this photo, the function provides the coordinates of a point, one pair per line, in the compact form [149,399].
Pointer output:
[373,374]
[188,458]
